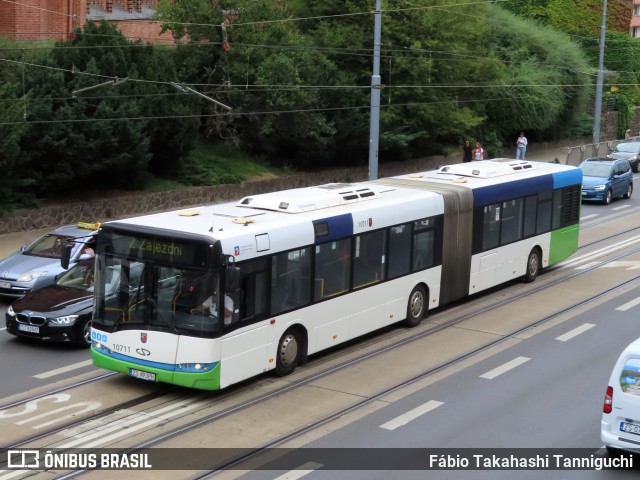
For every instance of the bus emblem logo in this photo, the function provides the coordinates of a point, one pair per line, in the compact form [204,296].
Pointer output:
[236,251]
[143,337]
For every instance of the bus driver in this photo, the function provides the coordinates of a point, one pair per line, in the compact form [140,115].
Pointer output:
[211,303]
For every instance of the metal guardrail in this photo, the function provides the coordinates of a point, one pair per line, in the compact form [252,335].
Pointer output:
[575,155]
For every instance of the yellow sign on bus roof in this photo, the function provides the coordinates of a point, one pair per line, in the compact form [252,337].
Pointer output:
[88,226]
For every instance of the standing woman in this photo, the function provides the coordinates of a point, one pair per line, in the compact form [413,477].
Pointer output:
[478,152]
[521,143]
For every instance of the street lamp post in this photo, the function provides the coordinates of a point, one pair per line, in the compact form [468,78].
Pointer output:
[598,106]
[374,116]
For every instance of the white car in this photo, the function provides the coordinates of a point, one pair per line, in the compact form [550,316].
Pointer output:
[620,424]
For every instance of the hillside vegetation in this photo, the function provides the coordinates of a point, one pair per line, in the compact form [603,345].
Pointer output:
[102,112]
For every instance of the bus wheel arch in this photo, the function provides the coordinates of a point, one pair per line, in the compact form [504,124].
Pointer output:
[417,305]
[292,350]
[534,264]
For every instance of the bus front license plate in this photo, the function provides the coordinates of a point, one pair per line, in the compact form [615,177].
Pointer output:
[150,377]
[630,428]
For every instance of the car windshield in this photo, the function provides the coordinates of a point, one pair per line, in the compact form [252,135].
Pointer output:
[79,277]
[591,169]
[49,246]
[627,147]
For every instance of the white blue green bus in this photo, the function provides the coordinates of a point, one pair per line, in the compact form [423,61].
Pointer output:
[302,270]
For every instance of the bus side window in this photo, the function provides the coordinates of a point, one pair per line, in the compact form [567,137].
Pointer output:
[333,268]
[251,299]
[369,258]
[399,250]
[290,280]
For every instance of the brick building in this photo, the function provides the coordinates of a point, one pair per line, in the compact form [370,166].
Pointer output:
[57,19]
[634,29]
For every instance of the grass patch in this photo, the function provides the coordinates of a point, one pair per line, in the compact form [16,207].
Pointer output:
[215,164]
[212,165]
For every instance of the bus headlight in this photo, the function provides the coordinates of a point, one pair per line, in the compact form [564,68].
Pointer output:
[195,367]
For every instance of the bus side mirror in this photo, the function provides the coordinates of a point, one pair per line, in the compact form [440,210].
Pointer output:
[65,255]
[231,278]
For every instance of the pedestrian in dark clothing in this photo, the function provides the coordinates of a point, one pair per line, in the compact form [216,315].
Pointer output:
[467,151]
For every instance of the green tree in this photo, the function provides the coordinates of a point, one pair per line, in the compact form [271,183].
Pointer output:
[12,127]
[544,84]
[574,15]
[112,135]
[263,69]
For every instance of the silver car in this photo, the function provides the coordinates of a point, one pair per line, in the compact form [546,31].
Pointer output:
[38,264]
[628,151]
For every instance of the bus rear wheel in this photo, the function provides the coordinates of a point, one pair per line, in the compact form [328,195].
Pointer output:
[288,355]
[417,306]
[533,266]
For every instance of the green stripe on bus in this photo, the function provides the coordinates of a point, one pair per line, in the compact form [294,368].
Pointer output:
[564,242]
[204,381]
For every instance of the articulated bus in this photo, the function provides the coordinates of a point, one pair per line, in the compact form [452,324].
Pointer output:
[302,270]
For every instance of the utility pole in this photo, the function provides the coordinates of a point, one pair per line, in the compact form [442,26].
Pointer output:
[598,106]
[374,116]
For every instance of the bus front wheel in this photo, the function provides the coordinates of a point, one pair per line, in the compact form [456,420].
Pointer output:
[288,355]
[417,306]
[533,266]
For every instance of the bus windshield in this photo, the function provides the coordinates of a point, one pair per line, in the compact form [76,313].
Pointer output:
[147,295]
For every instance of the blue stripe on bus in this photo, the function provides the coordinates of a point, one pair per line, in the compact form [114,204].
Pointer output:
[566,178]
[505,191]
[340,226]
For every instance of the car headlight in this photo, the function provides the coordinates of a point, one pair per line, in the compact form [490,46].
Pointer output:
[66,320]
[599,187]
[10,311]
[30,276]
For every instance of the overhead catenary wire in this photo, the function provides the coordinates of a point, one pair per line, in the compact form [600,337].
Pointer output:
[272,112]
[357,52]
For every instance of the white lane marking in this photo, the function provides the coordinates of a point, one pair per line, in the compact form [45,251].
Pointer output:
[491,374]
[127,426]
[582,219]
[632,264]
[621,207]
[411,415]
[588,265]
[628,305]
[575,332]
[600,252]
[14,473]
[3,328]
[66,369]
[300,472]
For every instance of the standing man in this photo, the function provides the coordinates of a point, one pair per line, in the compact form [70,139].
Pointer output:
[467,151]
[521,143]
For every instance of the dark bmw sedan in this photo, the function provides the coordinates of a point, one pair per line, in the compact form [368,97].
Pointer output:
[60,312]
